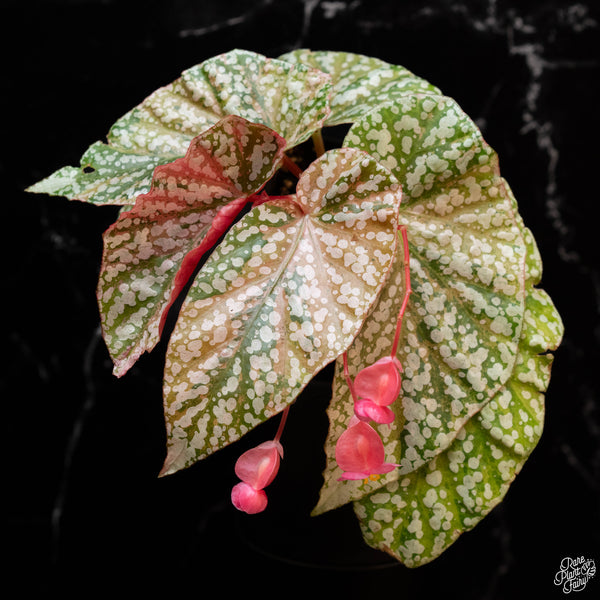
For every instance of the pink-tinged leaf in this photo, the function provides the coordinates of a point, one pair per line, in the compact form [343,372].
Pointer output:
[380,382]
[220,223]
[152,250]
[245,498]
[258,466]
[359,452]
[367,410]
[284,294]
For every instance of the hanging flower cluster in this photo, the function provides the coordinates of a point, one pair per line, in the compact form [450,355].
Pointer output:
[359,450]
[257,468]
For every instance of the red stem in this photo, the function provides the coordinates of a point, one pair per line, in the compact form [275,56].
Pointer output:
[347,376]
[407,291]
[284,416]
[291,166]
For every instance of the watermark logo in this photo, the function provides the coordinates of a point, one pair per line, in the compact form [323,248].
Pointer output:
[574,573]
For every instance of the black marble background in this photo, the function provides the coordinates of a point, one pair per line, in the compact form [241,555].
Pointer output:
[85,511]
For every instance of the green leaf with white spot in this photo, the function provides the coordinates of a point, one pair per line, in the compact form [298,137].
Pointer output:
[418,516]
[284,294]
[360,83]
[290,99]
[462,327]
[151,250]
[107,175]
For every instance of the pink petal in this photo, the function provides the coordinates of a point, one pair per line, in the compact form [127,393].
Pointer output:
[258,466]
[387,467]
[381,382]
[367,410]
[353,421]
[245,498]
[350,475]
[384,468]
[359,449]
[353,476]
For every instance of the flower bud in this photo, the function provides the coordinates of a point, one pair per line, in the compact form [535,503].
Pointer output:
[359,452]
[367,410]
[245,498]
[381,382]
[258,466]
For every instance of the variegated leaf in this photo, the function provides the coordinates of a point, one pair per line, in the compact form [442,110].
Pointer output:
[107,175]
[290,99]
[417,517]
[360,83]
[152,250]
[282,296]
[461,330]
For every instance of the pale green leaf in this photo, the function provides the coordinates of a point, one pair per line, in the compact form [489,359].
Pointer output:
[461,330]
[417,517]
[360,83]
[282,296]
[290,99]
[107,175]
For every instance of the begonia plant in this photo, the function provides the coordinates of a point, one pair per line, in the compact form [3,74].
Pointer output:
[400,255]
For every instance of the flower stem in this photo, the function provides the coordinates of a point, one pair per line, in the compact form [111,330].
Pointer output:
[407,290]
[284,416]
[348,378]
[317,139]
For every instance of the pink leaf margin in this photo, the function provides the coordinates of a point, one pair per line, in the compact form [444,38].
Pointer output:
[158,202]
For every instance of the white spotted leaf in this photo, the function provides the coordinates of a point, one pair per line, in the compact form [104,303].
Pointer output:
[462,327]
[301,279]
[106,175]
[284,294]
[417,517]
[359,83]
[290,99]
[151,250]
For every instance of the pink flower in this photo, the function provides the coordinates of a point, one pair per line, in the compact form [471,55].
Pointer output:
[367,410]
[244,497]
[256,468]
[359,452]
[381,382]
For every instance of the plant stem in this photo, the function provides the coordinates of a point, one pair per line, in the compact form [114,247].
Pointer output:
[284,416]
[317,139]
[291,166]
[407,290]
[347,376]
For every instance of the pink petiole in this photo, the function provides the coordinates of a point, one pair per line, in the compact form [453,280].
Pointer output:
[291,166]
